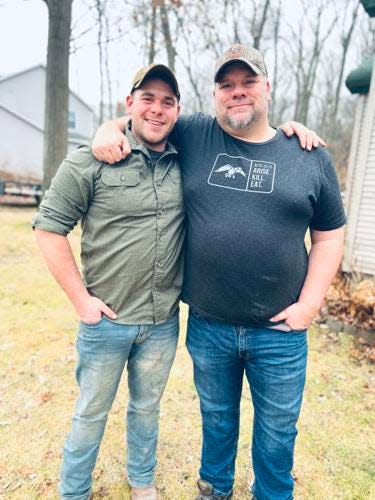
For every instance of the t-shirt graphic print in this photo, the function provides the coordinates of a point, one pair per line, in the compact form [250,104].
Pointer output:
[243,174]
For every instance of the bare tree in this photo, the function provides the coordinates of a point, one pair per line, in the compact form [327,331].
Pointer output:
[57,87]
[276,34]
[100,8]
[165,27]
[308,58]
[257,26]
[107,68]
[345,39]
[151,53]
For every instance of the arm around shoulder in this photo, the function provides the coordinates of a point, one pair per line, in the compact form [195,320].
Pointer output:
[110,143]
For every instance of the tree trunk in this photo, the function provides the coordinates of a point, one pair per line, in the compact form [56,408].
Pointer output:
[167,35]
[57,87]
[100,11]
[345,41]
[260,27]
[151,52]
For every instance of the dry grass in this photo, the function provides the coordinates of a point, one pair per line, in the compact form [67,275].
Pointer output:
[335,450]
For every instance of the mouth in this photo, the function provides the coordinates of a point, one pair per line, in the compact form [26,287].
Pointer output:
[155,123]
[239,106]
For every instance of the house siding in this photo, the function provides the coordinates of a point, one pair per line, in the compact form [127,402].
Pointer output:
[359,255]
[22,98]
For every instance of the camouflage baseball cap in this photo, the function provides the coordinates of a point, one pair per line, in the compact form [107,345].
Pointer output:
[251,57]
[156,71]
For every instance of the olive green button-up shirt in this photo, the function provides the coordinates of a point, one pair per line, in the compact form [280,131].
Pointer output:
[132,220]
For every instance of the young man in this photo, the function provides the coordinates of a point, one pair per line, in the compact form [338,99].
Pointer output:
[132,236]
[250,194]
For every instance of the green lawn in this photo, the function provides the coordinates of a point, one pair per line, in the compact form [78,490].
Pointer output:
[335,455]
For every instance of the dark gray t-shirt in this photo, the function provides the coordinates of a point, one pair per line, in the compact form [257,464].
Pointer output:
[248,208]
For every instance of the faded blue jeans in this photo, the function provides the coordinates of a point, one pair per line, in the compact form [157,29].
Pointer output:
[274,363]
[103,350]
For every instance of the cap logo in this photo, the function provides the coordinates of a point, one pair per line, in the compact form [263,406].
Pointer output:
[235,51]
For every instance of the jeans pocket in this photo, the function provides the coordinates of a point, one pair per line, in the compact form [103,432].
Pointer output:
[92,325]
[302,330]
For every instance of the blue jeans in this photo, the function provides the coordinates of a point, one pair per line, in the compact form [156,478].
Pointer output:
[274,363]
[104,349]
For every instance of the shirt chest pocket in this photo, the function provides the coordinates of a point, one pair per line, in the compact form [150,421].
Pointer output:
[122,190]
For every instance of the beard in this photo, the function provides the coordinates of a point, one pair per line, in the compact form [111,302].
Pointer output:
[238,123]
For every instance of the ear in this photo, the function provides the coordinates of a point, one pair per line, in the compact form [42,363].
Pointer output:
[269,90]
[129,104]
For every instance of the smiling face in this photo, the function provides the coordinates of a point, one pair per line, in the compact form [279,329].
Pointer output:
[153,109]
[241,98]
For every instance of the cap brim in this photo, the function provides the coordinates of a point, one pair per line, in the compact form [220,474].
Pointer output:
[254,68]
[164,73]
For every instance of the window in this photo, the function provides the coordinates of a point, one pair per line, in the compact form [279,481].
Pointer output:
[72,119]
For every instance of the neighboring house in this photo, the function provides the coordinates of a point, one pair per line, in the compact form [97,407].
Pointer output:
[359,255]
[22,102]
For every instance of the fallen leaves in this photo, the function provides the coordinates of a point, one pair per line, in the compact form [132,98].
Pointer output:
[350,303]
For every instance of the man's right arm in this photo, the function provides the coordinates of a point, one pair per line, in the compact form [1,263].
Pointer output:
[59,257]
[64,204]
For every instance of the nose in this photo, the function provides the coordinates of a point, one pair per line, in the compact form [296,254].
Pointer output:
[238,92]
[156,108]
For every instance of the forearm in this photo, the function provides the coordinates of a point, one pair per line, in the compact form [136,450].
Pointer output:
[58,255]
[110,143]
[121,123]
[324,260]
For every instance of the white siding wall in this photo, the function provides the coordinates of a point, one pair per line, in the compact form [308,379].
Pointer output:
[360,197]
[25,94]
[22,122]
[84,117]
[21,150]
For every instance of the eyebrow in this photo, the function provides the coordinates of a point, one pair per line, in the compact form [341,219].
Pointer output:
[148,93]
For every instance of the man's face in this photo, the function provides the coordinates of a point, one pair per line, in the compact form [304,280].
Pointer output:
[241,97]
[154,110]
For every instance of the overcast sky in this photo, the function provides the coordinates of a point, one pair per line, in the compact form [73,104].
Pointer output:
[23,42]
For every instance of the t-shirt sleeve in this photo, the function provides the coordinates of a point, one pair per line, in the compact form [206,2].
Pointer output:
[69,195]
[329,212]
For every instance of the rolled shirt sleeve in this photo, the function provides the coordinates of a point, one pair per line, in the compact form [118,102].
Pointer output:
[68,198]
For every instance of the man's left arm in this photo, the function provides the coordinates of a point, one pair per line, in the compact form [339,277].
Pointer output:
[324,260]
[110,144]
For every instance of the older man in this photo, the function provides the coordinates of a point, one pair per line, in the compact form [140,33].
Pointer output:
[132,237]
[250,194]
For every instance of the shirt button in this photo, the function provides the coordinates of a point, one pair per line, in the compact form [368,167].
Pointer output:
[158,183]
[160,212]
[159,264]
[122,178]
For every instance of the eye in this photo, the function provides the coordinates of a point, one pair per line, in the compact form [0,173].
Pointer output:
[250,82]
[169,103]
[225,85]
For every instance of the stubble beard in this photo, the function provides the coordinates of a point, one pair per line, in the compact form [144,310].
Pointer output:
[150,142]
[242,123]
